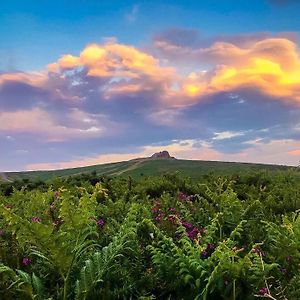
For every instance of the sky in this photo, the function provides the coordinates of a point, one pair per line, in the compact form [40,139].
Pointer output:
[88,82]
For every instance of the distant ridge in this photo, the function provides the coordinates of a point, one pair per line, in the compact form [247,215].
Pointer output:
[157,164]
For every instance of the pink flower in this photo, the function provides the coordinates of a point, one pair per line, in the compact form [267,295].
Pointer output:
[8,206]
[158,219]
[181,196]
[263,291]
[100,222]
[155,210]
[172,219]
[26,261]
[57,222]
[36,219]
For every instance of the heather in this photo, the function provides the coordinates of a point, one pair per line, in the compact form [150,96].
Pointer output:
[168,237]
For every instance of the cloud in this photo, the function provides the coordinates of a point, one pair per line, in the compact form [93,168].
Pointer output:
[271,65]
[227,135]
[131,17]
[116,96]
[113,71]
[114,60]
[168,117]
[272,152]
[40,122]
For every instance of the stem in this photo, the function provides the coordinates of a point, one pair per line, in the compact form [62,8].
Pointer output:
[266,283]
[234,296]
[65,288]
[66,278]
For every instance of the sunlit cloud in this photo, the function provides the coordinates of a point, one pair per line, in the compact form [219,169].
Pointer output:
[271,65]
[121,95]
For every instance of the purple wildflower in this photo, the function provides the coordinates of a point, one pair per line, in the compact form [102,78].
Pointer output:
[155,210]
[181,196]
[195,230]
[193,233]
[36,219]
[263,291]
[283,270]
[158,218]
[26,261]
[187,225]
[211,246]
[172,209]
[57,222]
[172,219]
[204,254]
[8,206]
[100,222]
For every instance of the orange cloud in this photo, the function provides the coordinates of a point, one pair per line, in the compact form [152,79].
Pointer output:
[33,78]
[270,65]
[294,152]
[113,59]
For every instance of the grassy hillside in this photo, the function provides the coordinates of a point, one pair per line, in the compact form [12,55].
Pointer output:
[146,167]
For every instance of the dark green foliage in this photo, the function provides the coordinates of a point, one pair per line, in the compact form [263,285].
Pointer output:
[169,237]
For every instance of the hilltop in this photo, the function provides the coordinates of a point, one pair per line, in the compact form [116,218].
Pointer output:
[157,164]
[163,154]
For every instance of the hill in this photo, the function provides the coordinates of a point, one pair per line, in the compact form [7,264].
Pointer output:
[138,168]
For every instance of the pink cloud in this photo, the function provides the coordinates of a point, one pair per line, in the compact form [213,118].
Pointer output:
[39,122]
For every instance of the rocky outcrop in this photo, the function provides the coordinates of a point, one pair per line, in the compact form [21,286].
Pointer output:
[162,154]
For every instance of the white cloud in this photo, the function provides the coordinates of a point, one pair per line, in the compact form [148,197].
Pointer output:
[133,14]
[227,135]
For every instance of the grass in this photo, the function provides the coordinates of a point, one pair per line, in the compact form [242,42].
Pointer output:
[138,168]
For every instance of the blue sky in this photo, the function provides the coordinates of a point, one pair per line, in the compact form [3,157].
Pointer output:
[84,82]
[36,32]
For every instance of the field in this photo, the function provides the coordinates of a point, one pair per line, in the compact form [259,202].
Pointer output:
[207,236]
